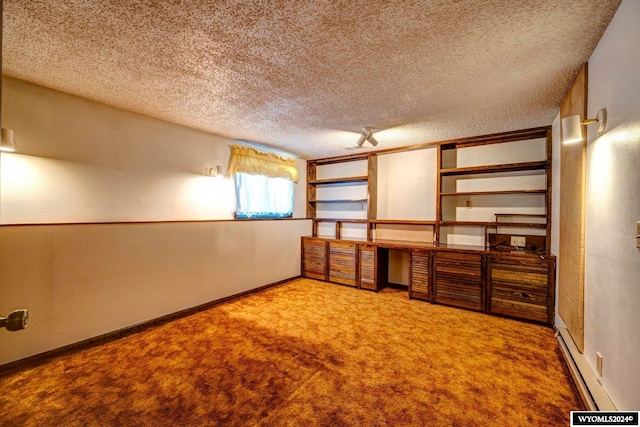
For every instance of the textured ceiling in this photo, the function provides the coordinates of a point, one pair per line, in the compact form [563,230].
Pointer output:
[302,75]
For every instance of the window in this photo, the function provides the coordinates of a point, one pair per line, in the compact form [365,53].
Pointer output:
[260,196]
[264,183]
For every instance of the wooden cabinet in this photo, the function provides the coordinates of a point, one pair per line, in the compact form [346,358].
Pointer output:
[458,279]
[314,258]
[374,267]
[420,274]
[519,285]
[522,286]
[343,262]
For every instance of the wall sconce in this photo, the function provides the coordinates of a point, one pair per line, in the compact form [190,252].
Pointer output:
[215,171]
[8,143]
[572,126]
[18,319]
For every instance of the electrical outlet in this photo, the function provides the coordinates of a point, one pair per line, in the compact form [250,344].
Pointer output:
[599,361]
[518,241]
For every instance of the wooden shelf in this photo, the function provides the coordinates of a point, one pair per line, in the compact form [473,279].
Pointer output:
[402,222]
[493,224]
[495,193]
[522,215]
[344,180]
[353,221]
[340,201]
[511,167]
[341,159]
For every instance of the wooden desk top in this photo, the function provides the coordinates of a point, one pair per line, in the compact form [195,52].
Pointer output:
[406,244]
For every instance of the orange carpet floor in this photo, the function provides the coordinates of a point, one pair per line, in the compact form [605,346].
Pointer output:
[306,353]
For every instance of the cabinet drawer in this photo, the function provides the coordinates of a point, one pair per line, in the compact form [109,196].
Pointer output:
[342,263]
[521,287]
[314,255]
[420,275]
[458,279]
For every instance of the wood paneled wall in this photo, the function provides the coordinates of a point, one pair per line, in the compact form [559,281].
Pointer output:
[572,217]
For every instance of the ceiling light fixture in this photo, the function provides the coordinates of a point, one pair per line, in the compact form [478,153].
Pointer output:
[8,143]
[572,126]
[367,135]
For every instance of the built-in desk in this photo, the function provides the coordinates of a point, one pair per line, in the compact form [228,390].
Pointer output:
[505,282]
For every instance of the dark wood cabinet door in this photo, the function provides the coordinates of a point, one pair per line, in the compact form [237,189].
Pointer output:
[522,287]
[314,258]
[343,261]
[420,274]
[458,279]
[374,267]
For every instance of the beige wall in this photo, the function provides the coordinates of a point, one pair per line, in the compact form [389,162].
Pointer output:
[81,161]
[81,281]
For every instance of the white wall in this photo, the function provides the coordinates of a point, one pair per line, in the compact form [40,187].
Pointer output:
[407,185]
[81,161]
[612,276]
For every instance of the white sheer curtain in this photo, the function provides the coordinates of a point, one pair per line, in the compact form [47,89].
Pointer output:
[259,196]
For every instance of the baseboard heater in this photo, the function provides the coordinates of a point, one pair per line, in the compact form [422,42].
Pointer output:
[592,392]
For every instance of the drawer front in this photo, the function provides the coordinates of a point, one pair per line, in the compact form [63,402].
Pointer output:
[342,263]
[314,253]
[420,275]
[458,279]
[368,267]
[519,287]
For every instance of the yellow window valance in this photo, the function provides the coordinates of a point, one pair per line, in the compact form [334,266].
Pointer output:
[252,162]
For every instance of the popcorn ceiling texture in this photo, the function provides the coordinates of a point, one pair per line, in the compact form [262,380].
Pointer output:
[302,75]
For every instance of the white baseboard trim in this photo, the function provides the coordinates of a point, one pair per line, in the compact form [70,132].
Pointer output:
[592,391]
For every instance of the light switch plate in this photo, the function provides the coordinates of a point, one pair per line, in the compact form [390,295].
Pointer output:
[599,363]
[638,235]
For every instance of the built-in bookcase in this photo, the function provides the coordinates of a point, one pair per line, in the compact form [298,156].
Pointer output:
[472,192]
[490,190]
[341,195]
[444,214]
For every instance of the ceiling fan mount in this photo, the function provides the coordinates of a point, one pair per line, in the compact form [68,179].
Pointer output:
[367,135]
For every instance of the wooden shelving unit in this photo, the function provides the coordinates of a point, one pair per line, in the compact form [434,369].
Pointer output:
[491,202]
[454,201]
[344,180]
[338,184]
